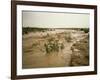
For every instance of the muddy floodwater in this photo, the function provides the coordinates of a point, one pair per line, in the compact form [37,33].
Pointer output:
[55,48]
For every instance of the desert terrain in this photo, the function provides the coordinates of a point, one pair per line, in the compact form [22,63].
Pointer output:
[55,48]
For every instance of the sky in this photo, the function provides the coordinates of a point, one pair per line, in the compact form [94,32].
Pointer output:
[54,20]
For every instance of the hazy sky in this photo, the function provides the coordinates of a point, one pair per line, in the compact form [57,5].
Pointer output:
[54,20]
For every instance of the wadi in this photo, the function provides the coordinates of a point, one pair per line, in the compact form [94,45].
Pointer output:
[54,47]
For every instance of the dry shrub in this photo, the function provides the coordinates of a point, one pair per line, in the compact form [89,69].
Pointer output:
[53,45]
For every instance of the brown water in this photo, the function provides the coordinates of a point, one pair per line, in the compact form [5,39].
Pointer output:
[34,55]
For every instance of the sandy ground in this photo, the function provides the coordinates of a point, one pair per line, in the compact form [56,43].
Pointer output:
[35,56]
